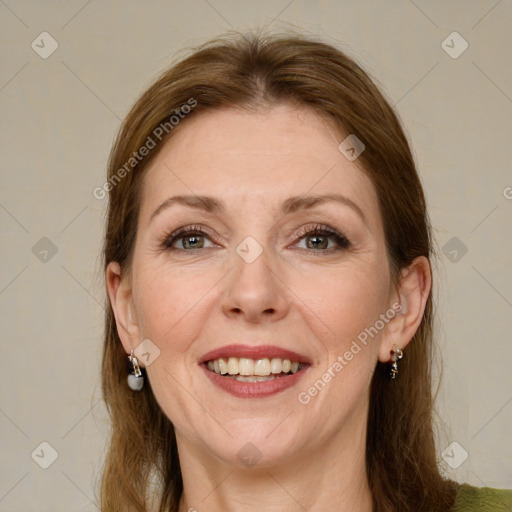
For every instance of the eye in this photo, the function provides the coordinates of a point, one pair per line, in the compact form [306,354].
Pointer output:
[317,239]
[189,237]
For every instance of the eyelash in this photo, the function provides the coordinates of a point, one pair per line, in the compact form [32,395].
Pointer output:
[318,230]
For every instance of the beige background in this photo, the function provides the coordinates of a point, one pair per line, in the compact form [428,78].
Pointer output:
[59,116]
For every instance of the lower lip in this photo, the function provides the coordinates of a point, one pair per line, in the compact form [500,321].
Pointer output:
[254,389]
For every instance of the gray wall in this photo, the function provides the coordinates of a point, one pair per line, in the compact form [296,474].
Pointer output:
[59,115]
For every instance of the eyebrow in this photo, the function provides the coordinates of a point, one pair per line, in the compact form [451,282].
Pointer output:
[290,205]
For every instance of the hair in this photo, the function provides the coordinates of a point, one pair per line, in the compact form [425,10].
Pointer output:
[253,72]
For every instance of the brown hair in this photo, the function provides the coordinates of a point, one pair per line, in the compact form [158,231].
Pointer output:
[252,72]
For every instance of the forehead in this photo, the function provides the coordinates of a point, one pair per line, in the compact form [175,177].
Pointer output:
[252,158]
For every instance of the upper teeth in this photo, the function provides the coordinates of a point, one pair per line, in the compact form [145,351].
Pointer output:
[244,366]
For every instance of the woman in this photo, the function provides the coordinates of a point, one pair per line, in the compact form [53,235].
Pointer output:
[267,260]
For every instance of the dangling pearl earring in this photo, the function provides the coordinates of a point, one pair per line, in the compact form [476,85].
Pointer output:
[135,378]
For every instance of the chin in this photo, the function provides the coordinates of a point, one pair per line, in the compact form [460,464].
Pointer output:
[257,443]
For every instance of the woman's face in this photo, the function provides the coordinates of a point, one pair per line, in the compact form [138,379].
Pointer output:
[258,285]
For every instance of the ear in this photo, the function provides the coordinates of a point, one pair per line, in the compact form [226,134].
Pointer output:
[412,293]
[121,299]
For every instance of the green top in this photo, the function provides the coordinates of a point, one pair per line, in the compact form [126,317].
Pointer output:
[482,499]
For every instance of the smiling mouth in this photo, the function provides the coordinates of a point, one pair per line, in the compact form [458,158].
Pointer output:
[244,369]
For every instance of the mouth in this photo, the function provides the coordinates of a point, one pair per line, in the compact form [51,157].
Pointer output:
[244,369]
[254,372]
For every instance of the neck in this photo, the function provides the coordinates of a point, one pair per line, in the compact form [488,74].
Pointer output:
[331,476]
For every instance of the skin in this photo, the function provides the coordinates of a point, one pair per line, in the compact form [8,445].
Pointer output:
[190,301]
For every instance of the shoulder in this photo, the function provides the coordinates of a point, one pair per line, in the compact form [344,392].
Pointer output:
[482,499]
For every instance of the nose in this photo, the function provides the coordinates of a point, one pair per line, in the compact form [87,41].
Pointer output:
[255,291]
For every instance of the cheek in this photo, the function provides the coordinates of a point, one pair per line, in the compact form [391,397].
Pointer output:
[337,304]
[345,302]
[344,306]
[173,307]
[169,301]
[343,310]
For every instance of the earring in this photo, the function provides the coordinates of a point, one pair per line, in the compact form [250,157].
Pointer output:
[135,378]
[396,354]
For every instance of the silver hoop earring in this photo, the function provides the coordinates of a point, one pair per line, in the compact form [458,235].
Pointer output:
[135,378]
